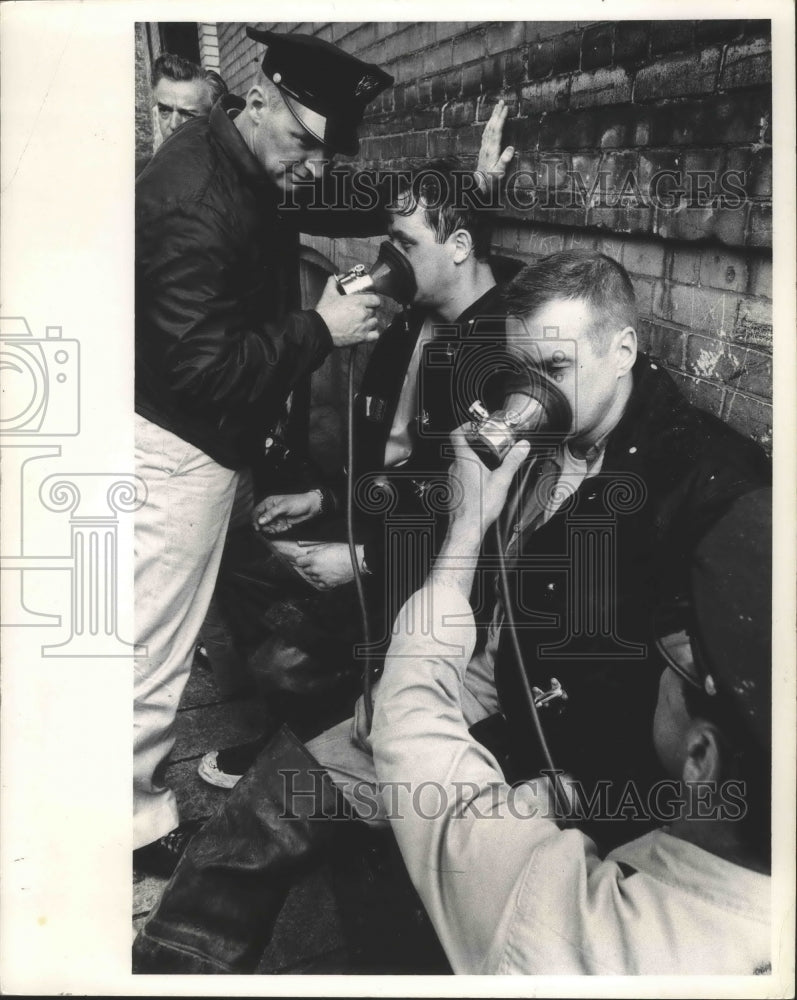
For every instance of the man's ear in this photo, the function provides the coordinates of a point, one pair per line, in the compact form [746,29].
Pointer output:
[256,103]
[463,245]
[703,761]
[625,350]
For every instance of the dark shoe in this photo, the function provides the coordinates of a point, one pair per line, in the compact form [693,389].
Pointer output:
[201,658]
[161,856]
[218,911]
[225,768]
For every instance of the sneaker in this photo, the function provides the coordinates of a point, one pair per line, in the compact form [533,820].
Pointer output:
[161,856]
[225,768]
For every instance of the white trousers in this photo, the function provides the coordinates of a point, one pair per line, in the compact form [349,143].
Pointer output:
[179,538]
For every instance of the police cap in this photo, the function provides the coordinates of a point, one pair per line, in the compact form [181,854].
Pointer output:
[324,88]
[725,626]
[732,593]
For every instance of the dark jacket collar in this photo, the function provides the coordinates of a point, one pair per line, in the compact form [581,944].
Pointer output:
[483,306]
[504,269]
[223,129]
[655,402]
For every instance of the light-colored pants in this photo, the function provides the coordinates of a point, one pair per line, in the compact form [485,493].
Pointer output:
[226,661]
[345,750]
[179,537]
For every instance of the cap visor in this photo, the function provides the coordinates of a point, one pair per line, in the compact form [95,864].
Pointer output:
[259,35]
[310,120]
[337,139]
[676,650]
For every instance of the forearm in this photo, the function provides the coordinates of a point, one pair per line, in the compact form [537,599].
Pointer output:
[470,873]
[455,565]
[421,744]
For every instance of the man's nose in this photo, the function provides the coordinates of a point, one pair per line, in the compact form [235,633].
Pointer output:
[313,167]
[174,120]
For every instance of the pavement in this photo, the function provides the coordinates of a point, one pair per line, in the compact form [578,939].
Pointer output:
[355,914]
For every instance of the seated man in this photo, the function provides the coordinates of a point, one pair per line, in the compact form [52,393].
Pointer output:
[508,887]
[404,411]
[603,530]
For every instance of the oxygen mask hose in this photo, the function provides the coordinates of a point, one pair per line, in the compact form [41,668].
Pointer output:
[355,563]
[537,407]
[562,805]
[390,275]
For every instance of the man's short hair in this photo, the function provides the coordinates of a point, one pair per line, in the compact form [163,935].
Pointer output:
[744,761]
[444,189]
[587,275]
[175,68]
[181,70]
[218,88]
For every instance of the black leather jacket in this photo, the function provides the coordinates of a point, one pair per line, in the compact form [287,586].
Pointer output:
[403,524]
[400,513]
[217,349]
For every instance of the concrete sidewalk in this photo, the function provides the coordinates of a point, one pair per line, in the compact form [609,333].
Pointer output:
[357,913]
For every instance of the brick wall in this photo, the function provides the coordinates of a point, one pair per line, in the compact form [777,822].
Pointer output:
[143,112]
[208,45]
[602,108]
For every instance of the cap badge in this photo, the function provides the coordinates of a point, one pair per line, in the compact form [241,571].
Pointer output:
[365,85]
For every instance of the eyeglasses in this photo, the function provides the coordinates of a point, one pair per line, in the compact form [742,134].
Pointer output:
[682,654]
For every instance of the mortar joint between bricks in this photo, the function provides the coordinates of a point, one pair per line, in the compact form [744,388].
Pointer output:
[723,54]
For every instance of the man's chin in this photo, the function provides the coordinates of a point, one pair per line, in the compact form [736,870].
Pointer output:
[280,179]
[287,184]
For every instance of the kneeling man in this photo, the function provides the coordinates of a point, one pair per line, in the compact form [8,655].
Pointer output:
[511,889]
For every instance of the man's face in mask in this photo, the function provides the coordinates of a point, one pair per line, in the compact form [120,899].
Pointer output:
[433,263]
[565,341]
